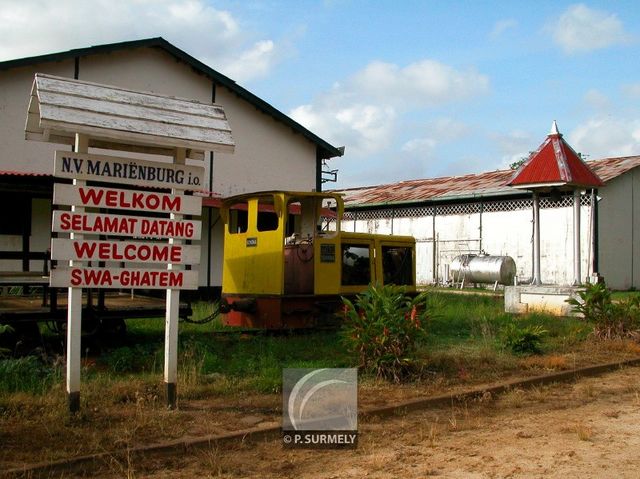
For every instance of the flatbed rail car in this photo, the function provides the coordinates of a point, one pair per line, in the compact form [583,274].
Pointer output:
[103,313]
[287,263]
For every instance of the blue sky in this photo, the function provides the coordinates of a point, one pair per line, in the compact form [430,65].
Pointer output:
[412,89]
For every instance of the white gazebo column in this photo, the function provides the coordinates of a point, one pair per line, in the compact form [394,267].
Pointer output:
[536,240]
[576,238]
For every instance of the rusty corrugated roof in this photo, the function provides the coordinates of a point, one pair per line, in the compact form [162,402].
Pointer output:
[492,183]
[21,173]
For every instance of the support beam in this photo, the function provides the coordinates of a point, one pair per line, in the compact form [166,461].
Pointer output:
[172,315]
[576,239]
[74,309]
[536,240]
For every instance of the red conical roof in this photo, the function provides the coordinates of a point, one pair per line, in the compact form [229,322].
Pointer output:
[555,163]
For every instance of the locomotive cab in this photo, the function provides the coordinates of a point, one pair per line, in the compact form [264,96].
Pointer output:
[287,263]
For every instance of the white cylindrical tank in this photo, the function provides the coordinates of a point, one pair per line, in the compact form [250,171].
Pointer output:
[472,268]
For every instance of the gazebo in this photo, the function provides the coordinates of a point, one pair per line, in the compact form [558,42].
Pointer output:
[554,168]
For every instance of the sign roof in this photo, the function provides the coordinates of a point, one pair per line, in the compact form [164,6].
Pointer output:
[118,118]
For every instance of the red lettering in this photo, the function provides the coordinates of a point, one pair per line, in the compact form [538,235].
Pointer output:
[84,249]
[176,278]
[90,196]
[111,198]
[76,277]
[136,201]
[152,202]
[171,204]
[130,252]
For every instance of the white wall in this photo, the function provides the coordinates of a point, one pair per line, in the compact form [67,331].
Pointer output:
[503,233]
[17,154]
[619,231]
[268,156]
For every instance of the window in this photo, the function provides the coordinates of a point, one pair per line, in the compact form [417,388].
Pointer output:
[356,267]
[397,265]
[267,217]
[238,218]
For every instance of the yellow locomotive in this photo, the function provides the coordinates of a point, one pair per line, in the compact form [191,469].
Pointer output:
[287,263]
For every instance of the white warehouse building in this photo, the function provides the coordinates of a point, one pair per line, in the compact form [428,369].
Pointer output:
[477,213]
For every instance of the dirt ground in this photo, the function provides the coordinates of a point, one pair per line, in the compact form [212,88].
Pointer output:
[587,429]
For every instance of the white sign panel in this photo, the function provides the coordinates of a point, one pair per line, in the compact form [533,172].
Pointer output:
[94,196]
[124,278]
[123,225]
[127,171]
[125,251]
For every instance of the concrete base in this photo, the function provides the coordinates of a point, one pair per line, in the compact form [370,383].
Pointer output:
[545,298]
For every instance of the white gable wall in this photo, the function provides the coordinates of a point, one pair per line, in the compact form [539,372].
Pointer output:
[17,154]
[619,231]
[506,232]
[268,155]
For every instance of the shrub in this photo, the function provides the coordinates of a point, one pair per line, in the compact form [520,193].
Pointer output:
[381,326]
[522,340]
[129,359]
[27,374]
[5,328]
[611,320]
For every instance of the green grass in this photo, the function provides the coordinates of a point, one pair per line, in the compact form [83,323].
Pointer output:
[464,332]
[618,295]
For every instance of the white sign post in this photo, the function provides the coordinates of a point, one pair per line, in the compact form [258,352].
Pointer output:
[84,114]
[171,315]
[74,308]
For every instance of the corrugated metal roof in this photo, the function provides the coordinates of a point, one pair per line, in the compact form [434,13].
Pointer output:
[554,163]
[492,183]
[22,173]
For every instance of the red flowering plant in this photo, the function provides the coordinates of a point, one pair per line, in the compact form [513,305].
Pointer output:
[382,327]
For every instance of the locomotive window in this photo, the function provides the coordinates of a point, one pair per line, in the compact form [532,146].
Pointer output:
[397,265]
[356,268]
[267,217]
[238,218]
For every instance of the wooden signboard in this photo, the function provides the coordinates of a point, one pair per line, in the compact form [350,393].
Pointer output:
[124,251]
[83,114]
[95,196]
[83,277]
[124,225]
[127,171]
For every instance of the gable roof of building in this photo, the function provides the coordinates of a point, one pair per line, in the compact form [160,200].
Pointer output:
[326,150]
[466,187]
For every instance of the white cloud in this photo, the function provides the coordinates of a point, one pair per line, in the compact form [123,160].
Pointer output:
[502,26]
[597,100]
[423,83]
[211,35]
[365,129]
[583,29]
[632,90]
[419,145]
[443,130]
[362,112]
[513,146]
[606,137]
